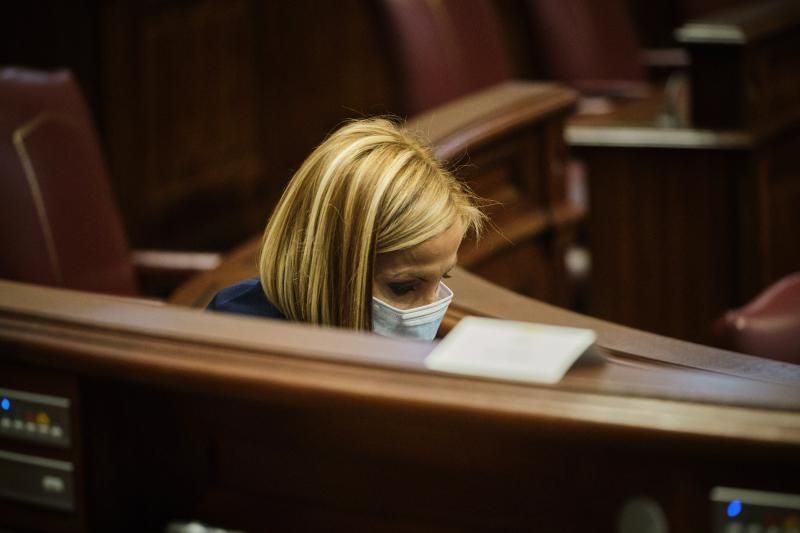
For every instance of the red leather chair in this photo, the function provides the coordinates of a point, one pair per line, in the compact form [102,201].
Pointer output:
[59,224]
[449,48]
[446,49]
[589,45]
[768,326]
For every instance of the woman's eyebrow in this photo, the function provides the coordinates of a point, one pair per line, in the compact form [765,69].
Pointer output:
[407,276]
[409,273]
[418,274]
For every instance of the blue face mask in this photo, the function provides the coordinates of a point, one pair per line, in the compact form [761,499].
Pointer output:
[419,322]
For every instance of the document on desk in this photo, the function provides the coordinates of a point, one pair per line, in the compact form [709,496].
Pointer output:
[519,351]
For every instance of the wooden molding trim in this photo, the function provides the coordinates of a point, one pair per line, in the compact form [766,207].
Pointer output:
[478,118]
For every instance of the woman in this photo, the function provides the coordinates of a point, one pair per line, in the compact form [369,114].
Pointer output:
[362,237]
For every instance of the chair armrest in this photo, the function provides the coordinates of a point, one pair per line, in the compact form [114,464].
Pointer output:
[477,119]
[768,326]
[160,272]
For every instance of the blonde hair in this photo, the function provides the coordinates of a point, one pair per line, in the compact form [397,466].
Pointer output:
[370,188]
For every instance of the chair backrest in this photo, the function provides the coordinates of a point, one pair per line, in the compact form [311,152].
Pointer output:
[588,44]
[768,326]
[59,224]
[446,49]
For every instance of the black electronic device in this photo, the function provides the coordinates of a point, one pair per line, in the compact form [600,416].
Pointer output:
[39,418]
[739,510]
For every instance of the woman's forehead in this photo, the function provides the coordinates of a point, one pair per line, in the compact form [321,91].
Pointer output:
[436,254]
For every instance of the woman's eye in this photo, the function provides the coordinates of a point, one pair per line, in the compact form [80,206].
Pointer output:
[400,289]
[447,276]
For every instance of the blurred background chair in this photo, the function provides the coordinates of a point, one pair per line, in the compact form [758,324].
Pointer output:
[768,326]
[449,48]
[59,224]
[446,49]
[589,45]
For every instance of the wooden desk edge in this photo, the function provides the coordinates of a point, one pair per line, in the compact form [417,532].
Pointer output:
[137,350]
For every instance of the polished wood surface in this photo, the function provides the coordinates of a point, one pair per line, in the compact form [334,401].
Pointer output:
[619,365]
[477,297]
[330,429]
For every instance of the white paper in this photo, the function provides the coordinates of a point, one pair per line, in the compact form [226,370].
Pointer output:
[521,351]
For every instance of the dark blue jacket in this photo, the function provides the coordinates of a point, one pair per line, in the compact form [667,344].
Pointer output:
[245,298]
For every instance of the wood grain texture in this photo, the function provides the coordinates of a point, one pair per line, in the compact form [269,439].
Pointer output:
[118,335]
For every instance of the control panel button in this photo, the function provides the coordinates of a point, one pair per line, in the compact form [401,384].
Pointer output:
[56,432]
[53,484]
[734,527]
[31,416]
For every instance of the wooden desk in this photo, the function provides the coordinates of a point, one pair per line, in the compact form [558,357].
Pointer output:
[693,213]
[259,424]
[478,297]
[685,223]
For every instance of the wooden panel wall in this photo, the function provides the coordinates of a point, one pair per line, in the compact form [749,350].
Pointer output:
[213,103]
[182,117]
[205,107]
[663,239]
